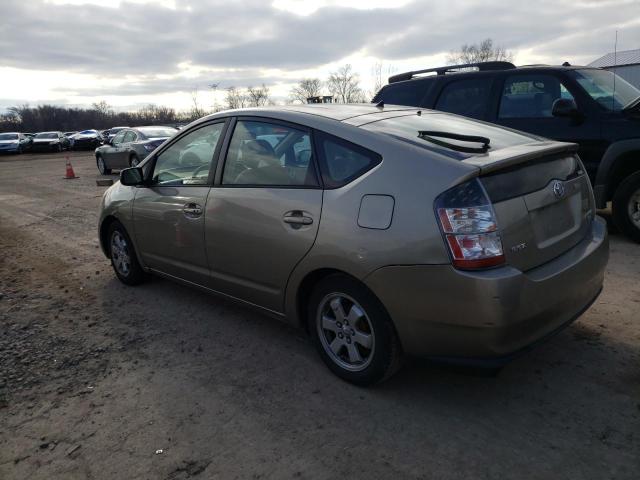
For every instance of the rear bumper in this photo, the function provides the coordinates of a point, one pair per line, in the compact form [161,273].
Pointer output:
[487,317]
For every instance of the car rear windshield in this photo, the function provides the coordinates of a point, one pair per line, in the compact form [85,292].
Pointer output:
[608,89]
[8,136]
[47,135]
[408,128]
[158,132]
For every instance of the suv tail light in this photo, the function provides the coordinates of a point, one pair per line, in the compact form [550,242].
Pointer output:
[469,226]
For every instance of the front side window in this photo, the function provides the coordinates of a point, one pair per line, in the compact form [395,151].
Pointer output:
[118,138]
[531,96]
[466,97]
[343,161]
[267,154]
[189,160]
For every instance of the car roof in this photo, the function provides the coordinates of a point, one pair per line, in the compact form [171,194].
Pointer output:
[340,112]
[508,71]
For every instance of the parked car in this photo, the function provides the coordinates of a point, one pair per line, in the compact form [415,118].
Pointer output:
[86,140]
[14,142]
[50,142]
[382,231]
[130,146]
[592,107]
[110,133]
[70,135]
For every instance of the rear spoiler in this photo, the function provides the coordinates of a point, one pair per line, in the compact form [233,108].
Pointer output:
[511,156]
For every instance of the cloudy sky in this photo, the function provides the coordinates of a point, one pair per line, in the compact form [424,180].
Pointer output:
[134,52]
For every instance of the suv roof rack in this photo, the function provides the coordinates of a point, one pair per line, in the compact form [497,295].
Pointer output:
[482,66]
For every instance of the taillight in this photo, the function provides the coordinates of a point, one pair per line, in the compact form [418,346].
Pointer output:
[469,226]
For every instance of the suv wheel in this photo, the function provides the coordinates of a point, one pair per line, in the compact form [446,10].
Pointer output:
[123,256]
[102,167]
[626,207]
[134,160]
[352,331]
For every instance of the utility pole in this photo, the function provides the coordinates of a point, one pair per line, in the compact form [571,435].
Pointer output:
[214,87]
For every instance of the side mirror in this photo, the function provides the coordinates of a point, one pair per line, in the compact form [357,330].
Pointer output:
[131,176]
[565,107]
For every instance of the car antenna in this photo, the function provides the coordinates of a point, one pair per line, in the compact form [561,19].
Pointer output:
[615,62]
[380,104]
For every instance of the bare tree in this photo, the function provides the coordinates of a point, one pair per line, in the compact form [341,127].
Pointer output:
[379,74]
[102,107]
[307,87]
[235,98]
[196,110]
[344,85]
[376,73]
[484,51]
[258,97]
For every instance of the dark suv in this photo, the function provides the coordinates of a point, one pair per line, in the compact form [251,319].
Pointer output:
[592,107]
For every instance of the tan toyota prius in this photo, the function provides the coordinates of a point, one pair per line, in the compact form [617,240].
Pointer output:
[382,230]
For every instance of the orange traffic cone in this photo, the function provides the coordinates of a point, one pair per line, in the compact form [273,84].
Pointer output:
[70,173]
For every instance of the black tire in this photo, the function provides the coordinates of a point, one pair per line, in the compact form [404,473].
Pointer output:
[134,275]
[20,150]
[102,167]
[626,199]
[59,148]
[385,356]
[134,160]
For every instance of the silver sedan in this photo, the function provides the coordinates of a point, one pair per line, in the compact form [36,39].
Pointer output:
[129,146]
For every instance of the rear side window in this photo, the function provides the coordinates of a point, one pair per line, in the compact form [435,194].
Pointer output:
[342,162]
[408,93]
[468,97]
[531,96]
[268,154]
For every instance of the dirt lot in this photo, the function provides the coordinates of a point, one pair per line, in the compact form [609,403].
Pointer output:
[102,381]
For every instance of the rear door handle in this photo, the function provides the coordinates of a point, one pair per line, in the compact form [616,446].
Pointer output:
[297,218]
[192,210]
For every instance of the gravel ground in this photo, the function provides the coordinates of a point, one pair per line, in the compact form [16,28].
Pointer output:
[99,380]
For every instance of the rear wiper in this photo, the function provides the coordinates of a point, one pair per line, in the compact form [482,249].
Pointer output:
[429,136]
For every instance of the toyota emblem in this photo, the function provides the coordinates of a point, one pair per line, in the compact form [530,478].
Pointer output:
[558,189]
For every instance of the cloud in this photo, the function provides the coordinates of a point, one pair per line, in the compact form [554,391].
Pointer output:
[244,42]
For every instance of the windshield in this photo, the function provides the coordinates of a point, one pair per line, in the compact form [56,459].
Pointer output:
[47,135]
[158,131]
[608,89]
[408,128]
[8,136]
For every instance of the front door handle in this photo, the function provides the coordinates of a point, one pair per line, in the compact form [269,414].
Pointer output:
[192,210]
[297,218]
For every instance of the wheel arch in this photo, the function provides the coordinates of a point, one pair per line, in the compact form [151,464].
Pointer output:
[619,161]
[104,232]
[306,286]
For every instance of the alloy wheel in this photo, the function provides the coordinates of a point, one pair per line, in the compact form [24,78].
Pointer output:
[101,167]
[120,254]
[345,332]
